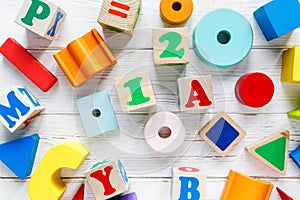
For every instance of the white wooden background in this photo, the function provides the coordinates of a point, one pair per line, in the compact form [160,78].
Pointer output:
[150,172]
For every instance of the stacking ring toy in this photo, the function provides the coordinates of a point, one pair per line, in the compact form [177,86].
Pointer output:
[223,38]
[176,11]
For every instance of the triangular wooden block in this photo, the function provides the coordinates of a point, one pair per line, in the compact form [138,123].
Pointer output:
[18,155]
[272,151]
[80,193]
[283,195]
[294,114]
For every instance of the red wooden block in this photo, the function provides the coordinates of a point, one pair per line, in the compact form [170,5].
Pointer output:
[254,89]
[27,64]
[80,193]
[283,195]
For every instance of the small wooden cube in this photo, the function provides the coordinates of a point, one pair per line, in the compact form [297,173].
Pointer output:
[107,179]
[41,17]
[188,183]
[291,65]
[18,108]
[195,93]
[120,15]
[222,133]
[170,46]
[135,91]
[97,114]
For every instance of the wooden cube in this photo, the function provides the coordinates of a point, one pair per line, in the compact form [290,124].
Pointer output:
[41,17]
[120,15]
[170,46]
[97,114]
[222,133]
[107,179]
[135,91]
[195,93]
[188,183]
[18,108]
[278,18]
[291,65]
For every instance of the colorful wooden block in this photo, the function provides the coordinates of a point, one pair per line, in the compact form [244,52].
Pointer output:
[170,46]
[85,57]
[278,18]
[195,93]
[18,108]
[188,183]
[283,195]
[222,133]
[290,71]
[272,151]
[97,114]
[41,17]
[176,11]
[294,114]
[239,186]
[19,155]
[130,196]
[135,91]
[254,89]
[28,64]
[107,179]
[46,183]
[79,194]
[295,155]
[120,15]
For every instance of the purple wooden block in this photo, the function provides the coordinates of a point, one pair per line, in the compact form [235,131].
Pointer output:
[130,196]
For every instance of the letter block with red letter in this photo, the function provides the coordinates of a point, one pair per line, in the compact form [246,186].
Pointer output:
[195,93]
[107,179]
[188,183]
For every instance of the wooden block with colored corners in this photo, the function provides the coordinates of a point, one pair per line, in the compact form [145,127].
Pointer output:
[188,183]
[107,179]
[272,151]
[27,64]
[135,91]
[85,57]
[97,114]
[18,98]
[290,71]
[46,183]
[278,18]
[239,186]
[295,155]
[19,155]
[130,196]
[170,46]
[120,15]
[222,133]
[283,195]
[195,93]
[79,194]
[41,17]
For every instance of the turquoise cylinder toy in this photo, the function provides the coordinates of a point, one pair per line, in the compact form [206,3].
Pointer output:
[223,38]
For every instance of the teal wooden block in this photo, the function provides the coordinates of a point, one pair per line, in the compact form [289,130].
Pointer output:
[278,18]
[97,114]
[19,155]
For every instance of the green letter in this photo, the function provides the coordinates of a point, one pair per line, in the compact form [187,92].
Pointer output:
[32,12]
[137,96]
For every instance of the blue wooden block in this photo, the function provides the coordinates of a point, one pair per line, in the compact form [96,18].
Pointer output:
[278,18]
[97,114]
[18,155]
[295,155]
[130,196]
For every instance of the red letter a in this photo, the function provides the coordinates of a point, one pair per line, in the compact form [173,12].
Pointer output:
[104,179]
[201,95]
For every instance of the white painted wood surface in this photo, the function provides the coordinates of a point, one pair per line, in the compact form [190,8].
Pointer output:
[150,172]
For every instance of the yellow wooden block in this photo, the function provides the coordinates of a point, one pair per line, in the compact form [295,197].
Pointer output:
[45,182]
[291,65]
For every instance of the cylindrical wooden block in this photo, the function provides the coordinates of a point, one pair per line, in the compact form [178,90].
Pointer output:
[176,11]
[254,89]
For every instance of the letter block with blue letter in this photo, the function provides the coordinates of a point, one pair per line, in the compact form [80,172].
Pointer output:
[41,17]
[278,18]
[188,183]
[18,108]
[107,179]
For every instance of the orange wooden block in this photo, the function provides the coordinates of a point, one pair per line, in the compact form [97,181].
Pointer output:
[176,11]
[85,57]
